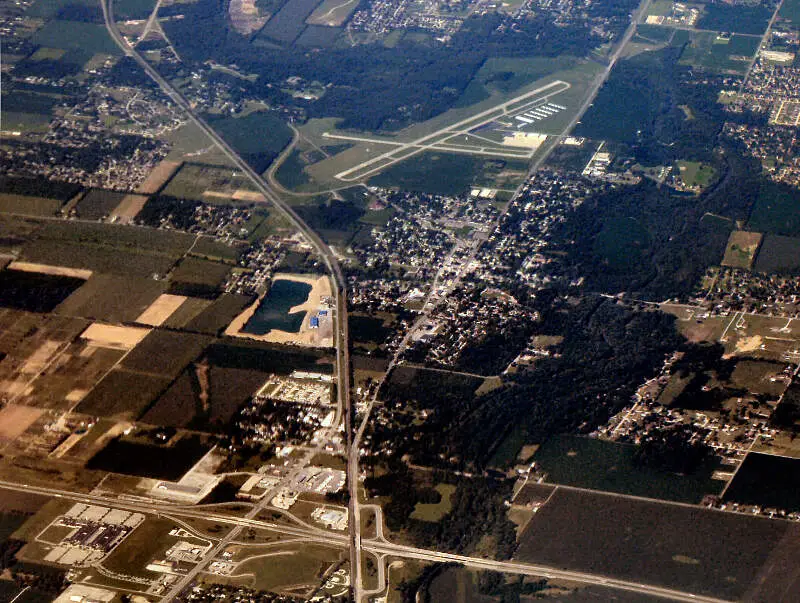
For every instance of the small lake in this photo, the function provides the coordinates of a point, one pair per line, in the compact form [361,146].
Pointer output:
[273,311]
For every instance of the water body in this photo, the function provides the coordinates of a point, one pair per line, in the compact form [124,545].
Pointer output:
[273,311]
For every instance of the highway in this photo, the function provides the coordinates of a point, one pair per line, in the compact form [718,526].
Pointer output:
[321,248]
[377,546]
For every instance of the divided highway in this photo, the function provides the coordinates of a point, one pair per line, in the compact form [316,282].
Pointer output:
[322,249]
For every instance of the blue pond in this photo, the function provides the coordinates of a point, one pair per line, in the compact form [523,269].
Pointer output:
[273,311]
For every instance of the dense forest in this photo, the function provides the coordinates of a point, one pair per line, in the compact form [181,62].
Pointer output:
[651,241]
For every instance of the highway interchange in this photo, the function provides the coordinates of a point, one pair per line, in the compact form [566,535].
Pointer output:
[354,541]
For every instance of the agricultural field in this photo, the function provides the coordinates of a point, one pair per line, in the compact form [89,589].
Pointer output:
[171,462]
[64,383]
[279,359]
[106,248]
[779,255]
[112,298]
[98,204]
[741,19]
[122,394]
[28,205]
[287,25]
[720,53]
[225,389]
[767,481]
[87,37]
[318,36]
[198,278]
[790,13]
[165,352]
[741,249]
[610,467]
[188,310]
[215,317]
[33,291]
[669,545]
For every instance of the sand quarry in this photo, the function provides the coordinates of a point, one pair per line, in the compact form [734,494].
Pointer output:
[307,336]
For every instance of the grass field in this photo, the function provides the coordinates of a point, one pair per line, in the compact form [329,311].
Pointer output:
[779,255]
[603,465]
[435,511]
[147,543]
[25,122]
[695,174]
[332,13]
[211,248]
[133,9]
[291,172]
[668,545]
[448,173]
[756,376]
[652,34]
[193,179]
[258,137]
[741,249]
[297,567]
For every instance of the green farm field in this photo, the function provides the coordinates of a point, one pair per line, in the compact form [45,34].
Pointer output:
[88,37]
[712,52]
[668,545]
[608,466]
[193,180]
